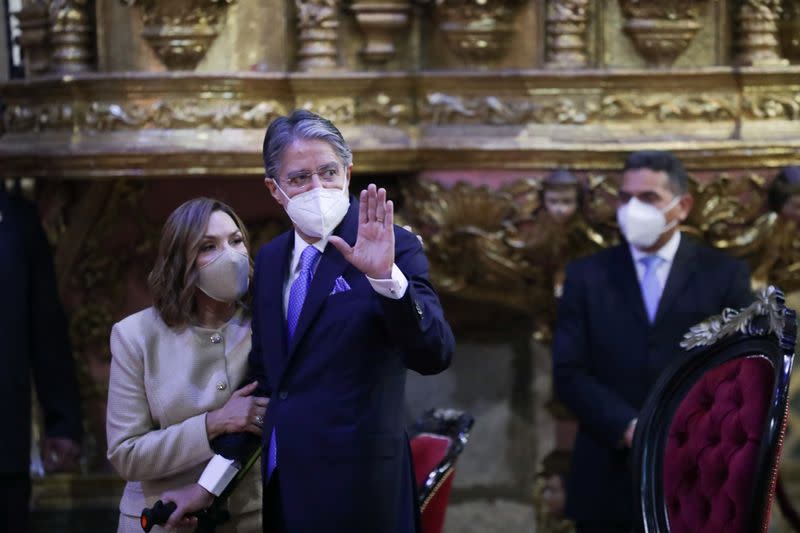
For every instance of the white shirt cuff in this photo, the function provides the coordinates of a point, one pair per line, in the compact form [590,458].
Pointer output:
[218,473]
[394,288]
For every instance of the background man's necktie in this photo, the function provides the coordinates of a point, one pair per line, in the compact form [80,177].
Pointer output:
[651,288]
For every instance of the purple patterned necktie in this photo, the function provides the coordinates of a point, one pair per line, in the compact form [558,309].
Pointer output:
[297,295]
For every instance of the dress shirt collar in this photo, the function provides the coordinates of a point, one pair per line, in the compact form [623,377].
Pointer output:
[300,245]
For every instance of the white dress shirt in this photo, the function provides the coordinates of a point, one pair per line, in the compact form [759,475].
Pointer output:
[220,471]
[667,255]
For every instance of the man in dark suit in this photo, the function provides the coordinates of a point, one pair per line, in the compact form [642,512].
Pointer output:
[622,315]
[35,344]
[342,307]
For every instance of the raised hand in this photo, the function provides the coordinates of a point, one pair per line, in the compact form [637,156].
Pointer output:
[373,253]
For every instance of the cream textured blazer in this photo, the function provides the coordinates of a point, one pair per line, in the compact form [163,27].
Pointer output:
[163,382]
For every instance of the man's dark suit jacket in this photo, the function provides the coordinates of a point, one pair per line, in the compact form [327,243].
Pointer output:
[607,356]
[35,340]
[337,389]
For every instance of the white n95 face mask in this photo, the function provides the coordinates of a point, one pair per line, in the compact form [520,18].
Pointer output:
[318,211]
[226,277]
[642,224]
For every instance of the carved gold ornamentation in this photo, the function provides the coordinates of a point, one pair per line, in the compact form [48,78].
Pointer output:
[380,20]
[769,305]
[517,248]
[790,30]
[338,110]
[758,32]
[181,31]
[34,24]
[773,105]
[567,21]
[443,108]
[662,30]
[476,30]
[71,36]
[318,34]
[103,116]
[384,110]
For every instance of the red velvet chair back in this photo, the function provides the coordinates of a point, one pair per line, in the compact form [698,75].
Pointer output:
[437,439]
[708,439]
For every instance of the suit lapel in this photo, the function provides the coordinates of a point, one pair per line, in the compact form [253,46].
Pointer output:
[679,275]
[331,265]
[627,282]
[273,320]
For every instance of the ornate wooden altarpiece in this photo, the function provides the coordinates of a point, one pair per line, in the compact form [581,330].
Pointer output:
[461,106]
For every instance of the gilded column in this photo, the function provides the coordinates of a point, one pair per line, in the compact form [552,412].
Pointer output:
[318,27]
[790,31]
[380,20]
[72,46]
[566,33]
[34,25]
[758,33]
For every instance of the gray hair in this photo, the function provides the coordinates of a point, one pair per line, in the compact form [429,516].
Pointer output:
[301,124]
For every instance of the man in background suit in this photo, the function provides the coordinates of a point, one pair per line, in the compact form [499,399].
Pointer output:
[35,344]
[342,307]
[623,313]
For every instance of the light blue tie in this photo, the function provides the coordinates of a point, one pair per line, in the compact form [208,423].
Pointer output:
[651,288]
[297,295]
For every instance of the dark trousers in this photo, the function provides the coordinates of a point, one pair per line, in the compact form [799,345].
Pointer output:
[602,527]
[15,493]
[273,519]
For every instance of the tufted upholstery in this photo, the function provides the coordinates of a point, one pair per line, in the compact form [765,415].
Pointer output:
[712,446]
[428,451]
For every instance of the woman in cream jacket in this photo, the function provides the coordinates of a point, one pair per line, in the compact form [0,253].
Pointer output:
[175,366]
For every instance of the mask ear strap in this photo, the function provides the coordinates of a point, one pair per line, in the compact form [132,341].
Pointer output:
[675,201]
[279,188]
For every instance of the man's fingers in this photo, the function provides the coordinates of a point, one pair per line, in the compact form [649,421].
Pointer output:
[254,429]
[261,401]
[380,208]
[247,390]
[372,202]
[362,207]
[389,221]
[340,244]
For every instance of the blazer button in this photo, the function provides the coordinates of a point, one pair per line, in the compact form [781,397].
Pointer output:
[283,395]
[216,338]
[222,385]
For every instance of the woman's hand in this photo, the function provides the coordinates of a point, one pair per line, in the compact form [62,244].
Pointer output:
[242,412]
[188,499]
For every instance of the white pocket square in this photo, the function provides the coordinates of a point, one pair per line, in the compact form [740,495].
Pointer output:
[340,286]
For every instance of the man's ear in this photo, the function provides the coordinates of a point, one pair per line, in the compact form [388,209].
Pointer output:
[686,203]
[269,183]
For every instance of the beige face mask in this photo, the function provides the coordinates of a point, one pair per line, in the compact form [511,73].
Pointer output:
[226,277]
